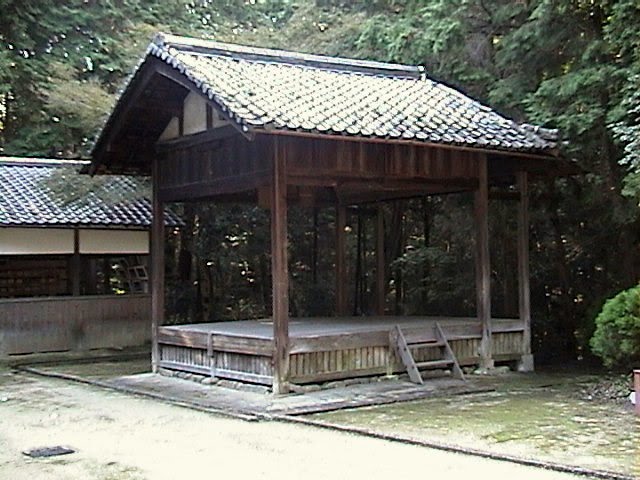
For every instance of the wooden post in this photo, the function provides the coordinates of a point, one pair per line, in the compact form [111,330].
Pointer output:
[341,270]
[280,272]
[483,272]
[381,291]
[526,362]
[75,264]
[157,267]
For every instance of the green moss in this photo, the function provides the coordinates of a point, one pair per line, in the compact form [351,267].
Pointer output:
[539,416]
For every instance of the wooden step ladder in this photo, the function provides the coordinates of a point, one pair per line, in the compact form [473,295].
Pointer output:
[403,349]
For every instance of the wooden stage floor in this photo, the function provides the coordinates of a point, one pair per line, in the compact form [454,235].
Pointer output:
[322,326]
[324,349]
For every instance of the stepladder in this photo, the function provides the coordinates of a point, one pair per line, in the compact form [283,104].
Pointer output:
[445,358]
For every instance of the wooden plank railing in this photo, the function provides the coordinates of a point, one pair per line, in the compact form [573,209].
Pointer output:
[50,324]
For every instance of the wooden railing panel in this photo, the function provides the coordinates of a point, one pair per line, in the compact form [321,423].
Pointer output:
[50,324]
[330,356]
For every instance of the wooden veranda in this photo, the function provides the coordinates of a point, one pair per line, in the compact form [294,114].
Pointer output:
[180,118]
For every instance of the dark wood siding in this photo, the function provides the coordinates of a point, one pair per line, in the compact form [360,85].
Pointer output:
[191,169]
[343,158]
[199,167]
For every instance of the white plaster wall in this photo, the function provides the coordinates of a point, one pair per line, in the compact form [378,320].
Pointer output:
[114,241]
[195,114]
[218,121]
[36,241]
[172,130]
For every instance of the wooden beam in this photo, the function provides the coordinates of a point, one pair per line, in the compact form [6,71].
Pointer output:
[220,186]
[341,270]
[381,290]
[483,267]
[526,363]
[157,267]
[315,181]
[358,197]
[280,271]
[198,139]
[376,184]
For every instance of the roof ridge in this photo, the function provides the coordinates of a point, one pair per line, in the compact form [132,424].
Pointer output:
[41,162]
[211,47]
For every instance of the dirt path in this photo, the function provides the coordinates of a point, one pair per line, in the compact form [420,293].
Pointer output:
[123,437]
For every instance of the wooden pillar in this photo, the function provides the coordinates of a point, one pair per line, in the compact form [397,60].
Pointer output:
[341,270]
[280,272]
[381,290]
[526,362]
[483,271]
[157,267]
[75,264]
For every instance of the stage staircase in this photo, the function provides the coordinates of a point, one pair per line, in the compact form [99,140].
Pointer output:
[446,359]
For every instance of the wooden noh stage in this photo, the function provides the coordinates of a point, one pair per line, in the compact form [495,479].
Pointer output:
[218,122]
[330,348]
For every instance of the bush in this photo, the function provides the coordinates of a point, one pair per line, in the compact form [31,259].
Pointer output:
[617,336]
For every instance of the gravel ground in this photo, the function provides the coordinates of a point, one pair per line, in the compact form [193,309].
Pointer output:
[118,436]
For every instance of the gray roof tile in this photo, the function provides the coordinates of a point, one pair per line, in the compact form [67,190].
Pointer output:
[270,89]
[28,199]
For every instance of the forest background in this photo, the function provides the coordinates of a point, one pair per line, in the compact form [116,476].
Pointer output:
[573,65]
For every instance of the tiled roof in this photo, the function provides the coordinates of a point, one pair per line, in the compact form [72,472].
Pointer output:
[32,194]
[262,89]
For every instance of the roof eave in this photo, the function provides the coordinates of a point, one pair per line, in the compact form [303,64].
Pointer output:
[273,130]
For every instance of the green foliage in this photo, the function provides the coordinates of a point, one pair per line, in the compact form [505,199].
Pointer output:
[65,187]
[617,336]
[627,132]
[75,107]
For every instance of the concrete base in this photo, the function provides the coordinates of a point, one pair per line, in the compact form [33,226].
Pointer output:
[526,363]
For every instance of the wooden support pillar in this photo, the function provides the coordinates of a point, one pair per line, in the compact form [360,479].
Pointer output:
[526,362]
[157,267]
[483,271]
[381,290]
[341,269]
[75,264]
[280,272]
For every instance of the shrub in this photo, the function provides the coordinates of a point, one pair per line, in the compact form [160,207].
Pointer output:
[617,336]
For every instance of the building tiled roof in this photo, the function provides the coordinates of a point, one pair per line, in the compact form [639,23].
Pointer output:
[32,193]
[262,89]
